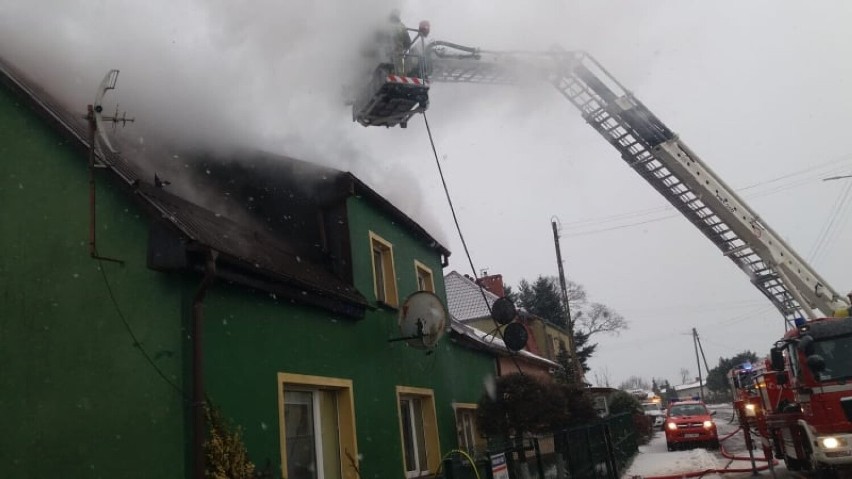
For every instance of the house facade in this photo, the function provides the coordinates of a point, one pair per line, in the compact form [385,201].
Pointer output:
[126,306]
[467,304]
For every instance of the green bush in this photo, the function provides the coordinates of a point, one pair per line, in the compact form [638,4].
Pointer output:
[523,404]
[622,401]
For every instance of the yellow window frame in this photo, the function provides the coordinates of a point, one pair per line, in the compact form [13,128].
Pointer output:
[388,271]
[430,425]
[420,268]
[345,417]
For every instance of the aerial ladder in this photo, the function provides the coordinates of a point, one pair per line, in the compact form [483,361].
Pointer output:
[658,155]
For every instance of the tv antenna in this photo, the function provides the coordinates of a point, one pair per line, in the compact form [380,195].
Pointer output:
[96,120]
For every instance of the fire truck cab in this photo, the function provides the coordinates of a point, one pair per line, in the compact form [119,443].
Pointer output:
[809,413]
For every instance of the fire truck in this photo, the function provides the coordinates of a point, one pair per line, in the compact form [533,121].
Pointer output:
[805,391]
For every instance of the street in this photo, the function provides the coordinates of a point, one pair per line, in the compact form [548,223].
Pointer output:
[655,461]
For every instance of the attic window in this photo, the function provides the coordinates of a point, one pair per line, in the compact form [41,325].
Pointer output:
[384,278]
[425,281]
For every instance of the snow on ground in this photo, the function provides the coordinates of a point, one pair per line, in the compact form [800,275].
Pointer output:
[655,460]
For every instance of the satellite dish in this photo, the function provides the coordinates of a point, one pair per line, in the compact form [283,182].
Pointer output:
[422,320]
[515,336]
[503,311]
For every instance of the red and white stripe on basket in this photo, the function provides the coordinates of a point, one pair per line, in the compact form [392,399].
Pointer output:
[407,80]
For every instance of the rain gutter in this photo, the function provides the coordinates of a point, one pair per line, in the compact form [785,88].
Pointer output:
[198,398]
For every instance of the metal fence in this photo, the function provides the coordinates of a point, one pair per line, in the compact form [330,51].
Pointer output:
[600,450]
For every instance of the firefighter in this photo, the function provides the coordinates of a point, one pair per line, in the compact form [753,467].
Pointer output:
[847,312]
[399,41]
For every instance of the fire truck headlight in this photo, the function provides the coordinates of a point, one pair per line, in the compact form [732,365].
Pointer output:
[708,424]
[832,442]
[750,410]
[671,426]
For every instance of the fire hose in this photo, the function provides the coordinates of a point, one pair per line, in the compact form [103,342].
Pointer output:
[725,470]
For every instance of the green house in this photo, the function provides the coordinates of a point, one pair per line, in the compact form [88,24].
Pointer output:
[270,286]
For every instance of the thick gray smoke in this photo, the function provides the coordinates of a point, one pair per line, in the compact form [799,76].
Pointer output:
[215,74]
[193,70]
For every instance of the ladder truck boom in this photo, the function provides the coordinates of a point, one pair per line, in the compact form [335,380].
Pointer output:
[659,156]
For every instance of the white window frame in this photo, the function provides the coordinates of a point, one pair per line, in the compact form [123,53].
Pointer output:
[317,424]
[460,410]
[430,429]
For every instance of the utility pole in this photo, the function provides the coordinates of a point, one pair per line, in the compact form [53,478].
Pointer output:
[698,362]
[572,349]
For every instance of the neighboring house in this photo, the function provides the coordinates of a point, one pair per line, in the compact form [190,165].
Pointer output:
[279,305]
[465,301]
[691,390]
[467,306]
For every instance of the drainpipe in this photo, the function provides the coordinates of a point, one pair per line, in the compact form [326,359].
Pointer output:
[198,423]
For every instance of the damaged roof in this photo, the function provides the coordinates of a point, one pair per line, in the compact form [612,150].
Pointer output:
[258,258]
[255,251]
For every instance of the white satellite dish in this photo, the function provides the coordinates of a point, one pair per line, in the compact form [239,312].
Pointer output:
[422,320]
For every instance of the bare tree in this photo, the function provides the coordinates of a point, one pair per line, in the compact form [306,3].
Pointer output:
[602,377]
[599,318]
[635,382]
[684,375]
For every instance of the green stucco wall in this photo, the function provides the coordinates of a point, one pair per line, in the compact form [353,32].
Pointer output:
[78,398]
[263,335]
[362,219]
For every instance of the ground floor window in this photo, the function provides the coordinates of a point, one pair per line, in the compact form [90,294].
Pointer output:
[469,438]
[419,430]
[317,427]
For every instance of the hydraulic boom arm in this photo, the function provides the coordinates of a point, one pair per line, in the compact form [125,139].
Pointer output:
[656,153]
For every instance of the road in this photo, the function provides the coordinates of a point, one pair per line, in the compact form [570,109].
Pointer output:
[654,460]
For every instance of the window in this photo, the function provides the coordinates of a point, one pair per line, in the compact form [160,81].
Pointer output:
[424,277]
[317,427]
[384,277]
[469,439]
[419,430]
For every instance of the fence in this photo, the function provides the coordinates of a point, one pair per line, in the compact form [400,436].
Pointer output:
[599,450]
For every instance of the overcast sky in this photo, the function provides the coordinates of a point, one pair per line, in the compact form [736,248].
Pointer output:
[760,90]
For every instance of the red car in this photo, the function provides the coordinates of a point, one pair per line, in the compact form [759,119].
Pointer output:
[690,423]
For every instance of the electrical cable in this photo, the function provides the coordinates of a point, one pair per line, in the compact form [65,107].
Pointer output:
[828,230]
[814,173]
[464,243]
[136,343]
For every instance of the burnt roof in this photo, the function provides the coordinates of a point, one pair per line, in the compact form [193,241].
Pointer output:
[359,187]
[257,258]
[254,250]
[260,173]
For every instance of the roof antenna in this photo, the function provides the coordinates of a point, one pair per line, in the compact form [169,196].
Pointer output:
[95,112]
[96,119]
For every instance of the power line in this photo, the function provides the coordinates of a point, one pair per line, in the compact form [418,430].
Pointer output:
[813,174]
[828,231]
[464,243]
[136,343]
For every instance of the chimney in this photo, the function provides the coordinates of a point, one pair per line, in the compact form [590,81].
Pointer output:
[493,283]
